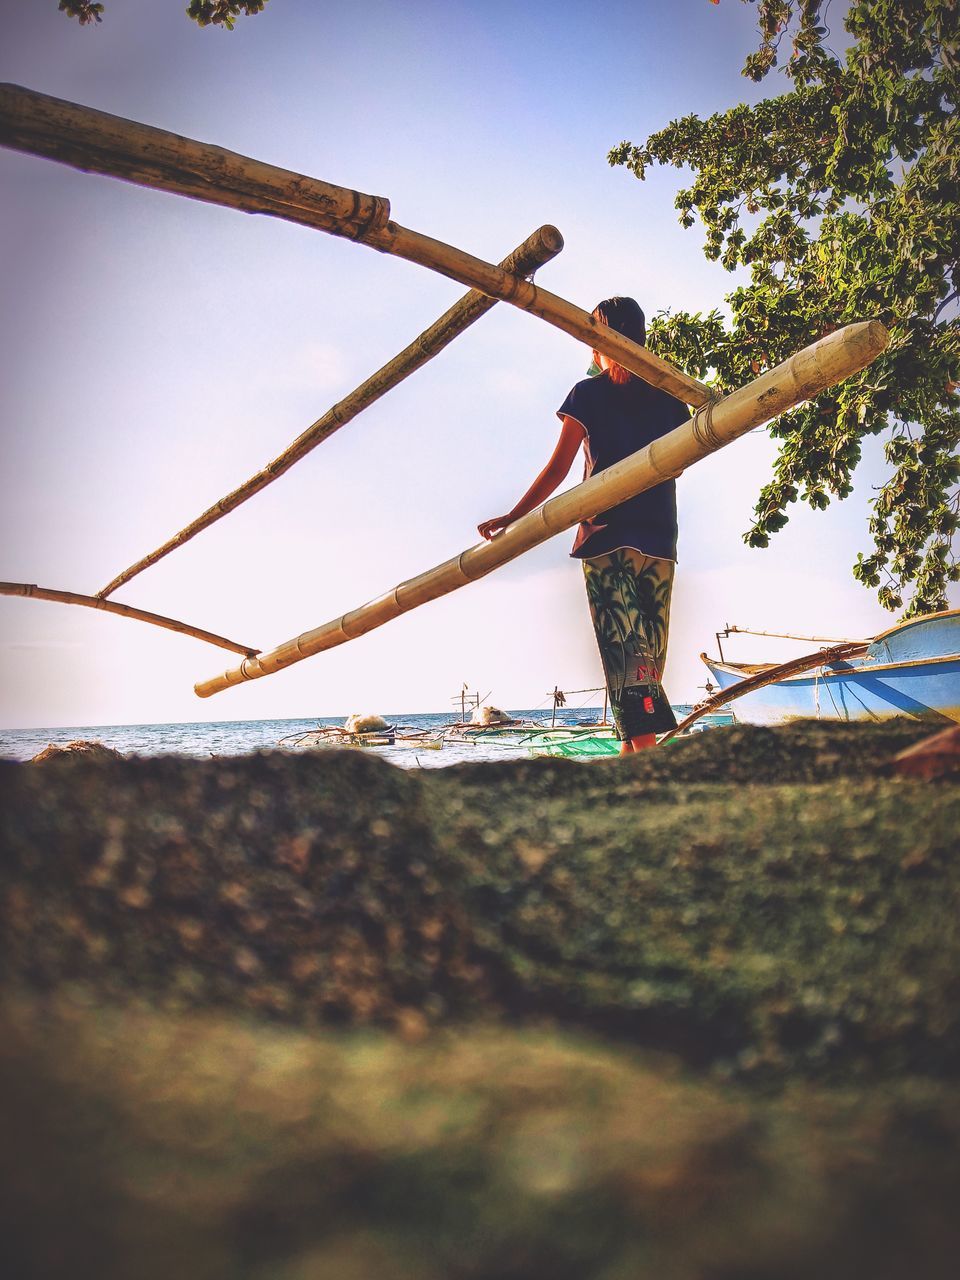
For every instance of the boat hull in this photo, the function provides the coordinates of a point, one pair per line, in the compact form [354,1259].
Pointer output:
[912,670]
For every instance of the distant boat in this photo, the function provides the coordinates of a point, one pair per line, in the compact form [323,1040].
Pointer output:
[911,670]
[335,736]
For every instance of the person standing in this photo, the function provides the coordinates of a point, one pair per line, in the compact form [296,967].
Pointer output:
[629,552]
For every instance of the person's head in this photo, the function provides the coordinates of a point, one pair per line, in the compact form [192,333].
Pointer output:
[624,315]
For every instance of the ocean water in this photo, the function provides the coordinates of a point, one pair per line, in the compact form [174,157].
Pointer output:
[242,737]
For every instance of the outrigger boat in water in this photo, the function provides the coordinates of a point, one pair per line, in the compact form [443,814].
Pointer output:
[489,727]
[391,736]
[911,670]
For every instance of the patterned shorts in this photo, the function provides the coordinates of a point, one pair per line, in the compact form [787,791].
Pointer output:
[629,597]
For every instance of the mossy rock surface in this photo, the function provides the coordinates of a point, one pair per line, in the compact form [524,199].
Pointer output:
[694,1016]
[806,921]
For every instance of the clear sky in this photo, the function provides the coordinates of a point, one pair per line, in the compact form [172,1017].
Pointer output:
[154,352]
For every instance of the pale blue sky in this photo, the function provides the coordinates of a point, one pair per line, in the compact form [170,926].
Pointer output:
[154,352]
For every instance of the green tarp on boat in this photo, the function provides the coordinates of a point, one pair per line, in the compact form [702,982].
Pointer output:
[580,746]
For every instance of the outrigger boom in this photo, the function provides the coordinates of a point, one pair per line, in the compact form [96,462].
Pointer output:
[544,244]
[805,374]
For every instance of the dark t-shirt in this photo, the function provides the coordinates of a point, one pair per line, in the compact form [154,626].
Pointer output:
[619,419]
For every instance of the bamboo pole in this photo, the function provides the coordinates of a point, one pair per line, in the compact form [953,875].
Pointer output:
[96,142]
[32,591]
[795,667]
[805,374]
[782,635]
[544,244]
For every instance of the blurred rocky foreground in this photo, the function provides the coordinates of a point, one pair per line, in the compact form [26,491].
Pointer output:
[693,1016]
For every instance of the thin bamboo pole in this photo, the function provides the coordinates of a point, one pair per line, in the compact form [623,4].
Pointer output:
[782,635]
[100,143]
[457,265]
[805,374]
[544,244]
[32,591]
[795,667]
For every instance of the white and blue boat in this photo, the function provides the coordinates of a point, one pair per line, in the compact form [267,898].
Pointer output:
[911,670]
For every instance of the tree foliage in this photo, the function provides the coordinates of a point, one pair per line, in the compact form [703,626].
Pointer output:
[83,10]
[206,13]
[841,198]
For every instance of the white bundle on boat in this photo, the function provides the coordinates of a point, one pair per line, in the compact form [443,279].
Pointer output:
[489,715]
[364,724]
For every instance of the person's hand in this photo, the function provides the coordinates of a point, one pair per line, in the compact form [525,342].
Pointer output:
[490,528]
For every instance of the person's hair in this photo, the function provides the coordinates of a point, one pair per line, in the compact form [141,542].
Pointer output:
[624,315]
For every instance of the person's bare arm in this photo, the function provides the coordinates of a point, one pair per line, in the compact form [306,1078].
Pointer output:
[551,477]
